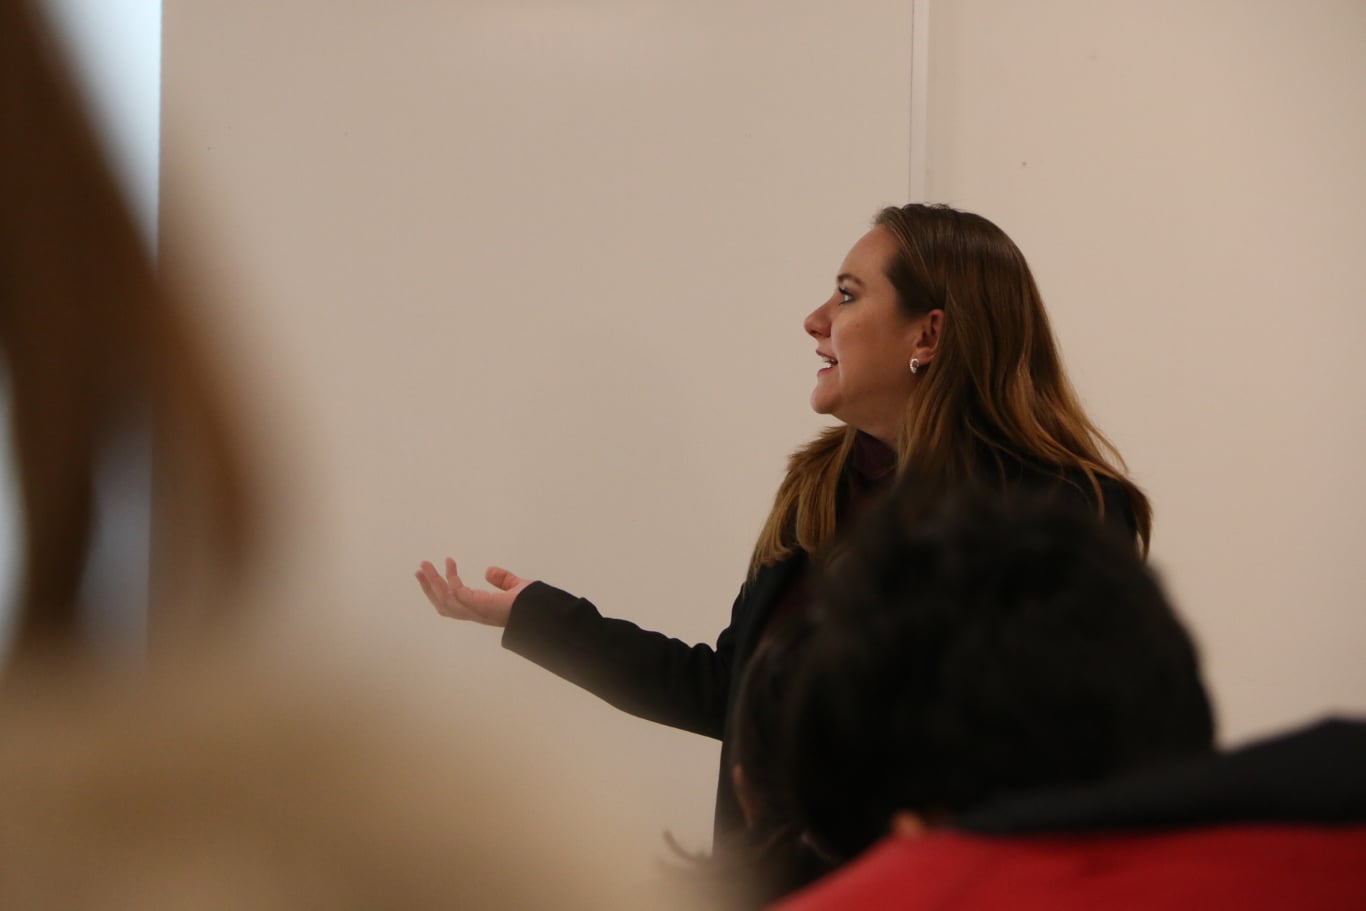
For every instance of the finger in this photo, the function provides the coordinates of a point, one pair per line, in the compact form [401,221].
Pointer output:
[433,583]
[501,578]
[432,596]
[453,575]
[453,584]
[475,600]
[438,601]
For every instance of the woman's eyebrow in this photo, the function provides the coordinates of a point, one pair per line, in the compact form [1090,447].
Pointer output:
[845,277]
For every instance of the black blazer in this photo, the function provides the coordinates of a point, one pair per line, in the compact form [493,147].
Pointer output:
[648,674]
[693,687]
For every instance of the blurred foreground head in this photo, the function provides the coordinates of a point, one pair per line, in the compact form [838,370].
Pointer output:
[993,645]
[91,347]
[252,784]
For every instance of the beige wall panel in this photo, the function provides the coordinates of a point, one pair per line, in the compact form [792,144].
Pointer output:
[1187,180]
[524,283]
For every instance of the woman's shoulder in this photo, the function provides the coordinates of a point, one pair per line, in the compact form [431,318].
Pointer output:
[1070,483]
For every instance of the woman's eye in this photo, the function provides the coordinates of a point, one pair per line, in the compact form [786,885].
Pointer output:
[845,296]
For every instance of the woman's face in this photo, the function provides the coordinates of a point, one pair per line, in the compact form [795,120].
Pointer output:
[867,343]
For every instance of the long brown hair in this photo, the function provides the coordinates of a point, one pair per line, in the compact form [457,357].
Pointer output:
[994,394]
[93,347]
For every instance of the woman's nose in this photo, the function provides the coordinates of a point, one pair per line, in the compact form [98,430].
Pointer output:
[816,325]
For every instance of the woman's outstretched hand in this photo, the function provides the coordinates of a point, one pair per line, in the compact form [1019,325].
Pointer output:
[453,598]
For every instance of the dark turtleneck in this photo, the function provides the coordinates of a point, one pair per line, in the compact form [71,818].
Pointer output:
[867,473]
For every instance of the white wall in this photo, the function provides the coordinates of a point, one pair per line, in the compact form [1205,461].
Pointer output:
[1187,180]
[524,283]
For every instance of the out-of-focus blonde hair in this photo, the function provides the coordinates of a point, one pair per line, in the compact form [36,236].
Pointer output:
[230,780]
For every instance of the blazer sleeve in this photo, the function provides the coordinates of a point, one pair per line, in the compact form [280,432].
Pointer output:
[645,673]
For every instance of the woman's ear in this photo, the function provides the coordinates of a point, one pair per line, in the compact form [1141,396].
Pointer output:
[925,334]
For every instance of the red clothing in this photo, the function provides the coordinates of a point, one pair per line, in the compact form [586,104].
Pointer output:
[1244,867]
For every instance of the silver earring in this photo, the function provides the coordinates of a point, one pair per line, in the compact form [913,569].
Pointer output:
[915,364]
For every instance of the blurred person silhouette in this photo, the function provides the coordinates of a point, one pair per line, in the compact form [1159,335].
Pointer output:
[240,768]
[941,366]
[1000,708]
[92,349]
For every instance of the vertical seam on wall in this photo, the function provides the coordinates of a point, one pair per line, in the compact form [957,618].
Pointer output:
[920,96]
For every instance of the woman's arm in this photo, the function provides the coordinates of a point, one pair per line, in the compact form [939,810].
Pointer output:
[645,673]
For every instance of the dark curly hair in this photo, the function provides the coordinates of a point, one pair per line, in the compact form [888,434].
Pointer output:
[975,647]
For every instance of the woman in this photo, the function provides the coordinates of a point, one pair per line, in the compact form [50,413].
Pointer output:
[941,366]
